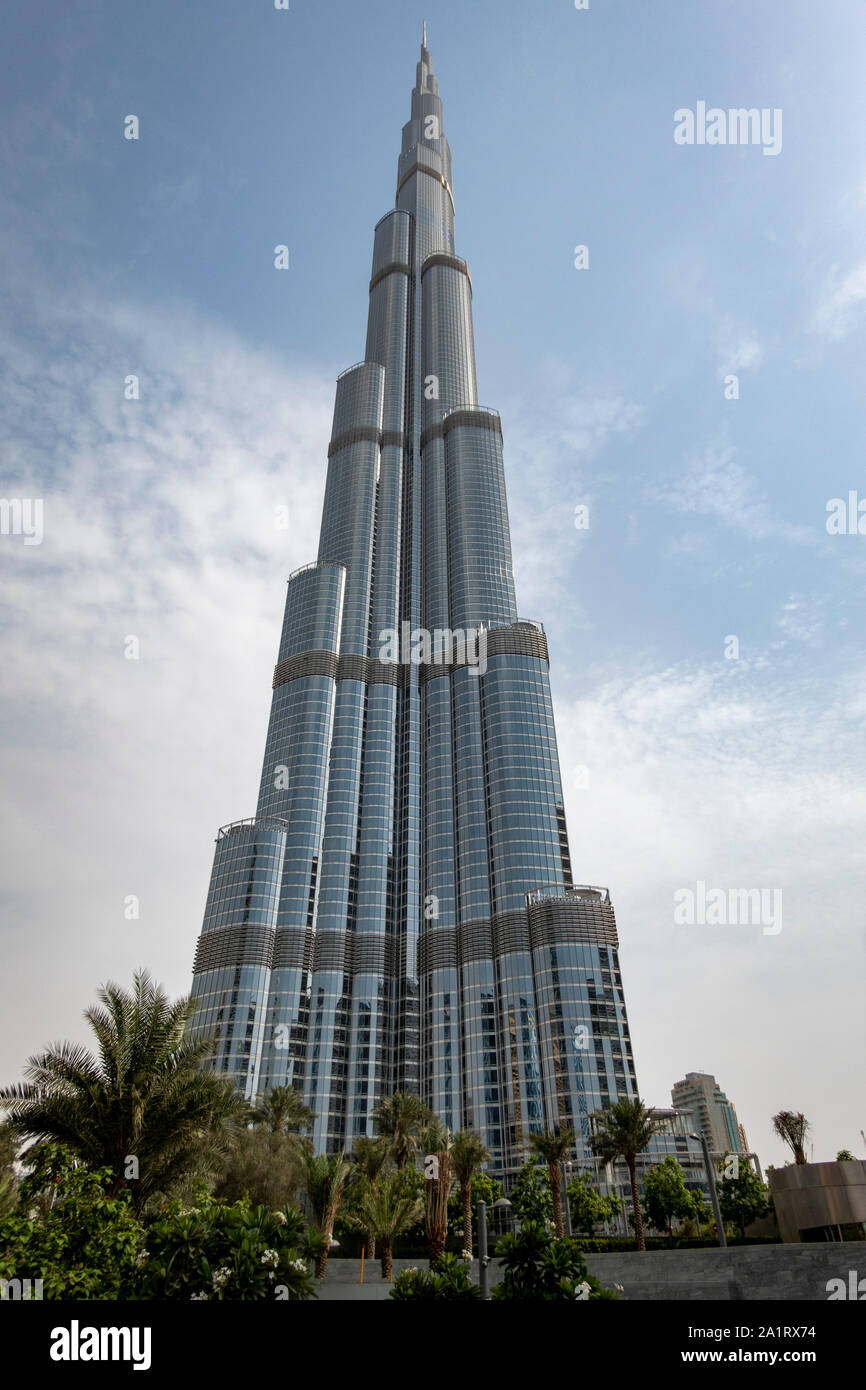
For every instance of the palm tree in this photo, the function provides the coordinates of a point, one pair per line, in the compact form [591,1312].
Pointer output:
[400,1120]
[625,1129]
[282,1110]
[552,1146]
[369,1158]
[468,1155]
[8,1177]
[793,1129]
[324,1179]
[436,1142]
[142,1106]
[384,1212]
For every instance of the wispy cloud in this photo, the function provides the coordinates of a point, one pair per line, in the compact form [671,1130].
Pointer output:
[841,302]
[741,776]
[160,524]
[716,486]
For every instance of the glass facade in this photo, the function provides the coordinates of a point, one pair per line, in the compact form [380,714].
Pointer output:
[400,913]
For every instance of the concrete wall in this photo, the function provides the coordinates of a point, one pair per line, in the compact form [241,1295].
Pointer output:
[810,1195]
[771,1273]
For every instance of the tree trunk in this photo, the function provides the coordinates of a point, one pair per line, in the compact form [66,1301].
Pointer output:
[385,1258]
[322,1260]
[370,1246]
[436,1202]
[638,1217]
[556,1193]
[466,1194]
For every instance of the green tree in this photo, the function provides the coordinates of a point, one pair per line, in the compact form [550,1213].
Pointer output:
[85,1244]
[385,1211]
[623,1131]
[324,1178]
[8,1177]
[483,1188]
[538,1268]
[588,1206]
[553,1146]
[281,1111]
[666,1196]
[435,1140]
[142,1107]
[88,1244]
[400,1119]
[743,1198]
[370,1157]
[264,1165]
[530,1196]
[793,1129]
[845,1156]
[468,1154]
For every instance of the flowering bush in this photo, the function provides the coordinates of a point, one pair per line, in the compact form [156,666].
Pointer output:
[450,1279]
[228,1252]
[84,1243]
[68,1232]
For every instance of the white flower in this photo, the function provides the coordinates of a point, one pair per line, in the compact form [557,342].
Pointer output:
[466,1256]
[197,1297]
[298,1265]
[221,1277]
[618,1288]
[270,1257]
[142,1257]
[281,1217]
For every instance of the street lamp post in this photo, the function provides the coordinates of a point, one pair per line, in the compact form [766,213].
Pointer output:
[566,1169]
[711,1182]
[483,1257]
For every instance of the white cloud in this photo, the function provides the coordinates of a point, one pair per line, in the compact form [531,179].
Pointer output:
[843,295]
[159,522]
[739,351]
[715,485]
[740,777]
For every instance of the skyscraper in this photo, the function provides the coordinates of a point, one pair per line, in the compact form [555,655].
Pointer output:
[400,914]
[712,1113]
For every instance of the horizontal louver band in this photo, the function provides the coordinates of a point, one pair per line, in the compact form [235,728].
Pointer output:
[482,419]
[520,639]
[446,259]
[556,921]
[434,174]
[234,946]
[395,268]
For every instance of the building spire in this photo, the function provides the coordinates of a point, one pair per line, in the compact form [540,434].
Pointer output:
[424,35]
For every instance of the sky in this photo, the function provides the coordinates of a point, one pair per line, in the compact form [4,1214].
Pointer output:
[705,627]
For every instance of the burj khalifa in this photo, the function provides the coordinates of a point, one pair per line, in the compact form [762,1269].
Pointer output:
[400,912]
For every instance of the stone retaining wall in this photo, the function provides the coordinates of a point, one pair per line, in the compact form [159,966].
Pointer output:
[759,1273]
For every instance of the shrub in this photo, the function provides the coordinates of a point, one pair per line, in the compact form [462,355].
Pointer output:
[539,1268]
[450,1279]
[227,1251]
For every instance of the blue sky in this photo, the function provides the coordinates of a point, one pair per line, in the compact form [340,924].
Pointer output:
[707,515]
